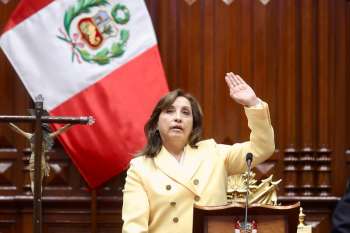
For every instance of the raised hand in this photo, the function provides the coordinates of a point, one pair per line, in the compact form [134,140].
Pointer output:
[240,91]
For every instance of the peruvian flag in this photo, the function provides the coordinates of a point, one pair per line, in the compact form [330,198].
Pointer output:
[90,58]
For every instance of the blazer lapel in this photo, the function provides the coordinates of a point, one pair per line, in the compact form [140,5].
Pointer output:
[182,175]
[193,160]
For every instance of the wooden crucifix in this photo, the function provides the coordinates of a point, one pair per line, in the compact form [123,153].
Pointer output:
[37,145]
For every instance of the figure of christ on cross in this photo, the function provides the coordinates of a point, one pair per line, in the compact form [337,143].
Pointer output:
[41,142]
[47,144]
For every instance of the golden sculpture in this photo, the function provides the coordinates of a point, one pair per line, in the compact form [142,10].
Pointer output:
[262,193]
[302,227]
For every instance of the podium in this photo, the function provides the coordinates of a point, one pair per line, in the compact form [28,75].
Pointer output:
[269,218]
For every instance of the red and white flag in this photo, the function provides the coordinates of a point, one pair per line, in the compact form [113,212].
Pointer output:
[90,58]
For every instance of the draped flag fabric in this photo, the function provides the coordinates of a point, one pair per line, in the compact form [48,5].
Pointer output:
[90,58]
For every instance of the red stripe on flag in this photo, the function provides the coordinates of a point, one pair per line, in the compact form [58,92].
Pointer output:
[121,103]
[25,9]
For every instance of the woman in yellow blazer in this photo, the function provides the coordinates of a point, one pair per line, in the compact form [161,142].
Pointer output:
[176,170]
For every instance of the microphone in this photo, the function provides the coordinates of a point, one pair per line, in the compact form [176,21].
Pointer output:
[248,159]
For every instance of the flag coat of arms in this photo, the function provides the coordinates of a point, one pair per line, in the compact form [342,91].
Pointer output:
[90,58]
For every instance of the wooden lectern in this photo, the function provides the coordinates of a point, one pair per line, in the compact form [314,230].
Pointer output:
[269,218]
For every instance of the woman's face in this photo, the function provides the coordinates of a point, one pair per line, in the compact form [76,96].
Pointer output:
[176,121]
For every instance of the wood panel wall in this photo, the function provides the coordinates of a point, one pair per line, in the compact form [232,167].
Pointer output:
[294,53]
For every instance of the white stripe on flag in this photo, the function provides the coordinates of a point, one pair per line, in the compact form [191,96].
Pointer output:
[51,72]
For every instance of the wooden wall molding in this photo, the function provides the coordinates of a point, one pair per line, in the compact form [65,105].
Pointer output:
[190,2]
[265,2]
[227,2]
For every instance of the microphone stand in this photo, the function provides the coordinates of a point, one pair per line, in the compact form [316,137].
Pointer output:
[249,158]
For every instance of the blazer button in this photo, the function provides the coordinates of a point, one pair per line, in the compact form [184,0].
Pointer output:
[168,187]
[175,220]
[173,203]
[195,181]
[197,198]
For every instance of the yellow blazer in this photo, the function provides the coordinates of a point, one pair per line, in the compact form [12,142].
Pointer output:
[159,193]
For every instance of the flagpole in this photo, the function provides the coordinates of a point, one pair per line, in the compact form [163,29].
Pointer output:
[37,218]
